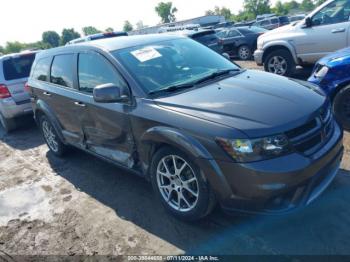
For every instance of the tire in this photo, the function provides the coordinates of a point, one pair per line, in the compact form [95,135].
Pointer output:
[341,107]
[244,53]
[52,140]
[280,62]
[7,123]
[196,200]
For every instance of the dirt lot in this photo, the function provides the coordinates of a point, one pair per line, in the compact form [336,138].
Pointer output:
[81,205]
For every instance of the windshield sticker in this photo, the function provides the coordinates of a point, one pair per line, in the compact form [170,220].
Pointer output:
[145,54]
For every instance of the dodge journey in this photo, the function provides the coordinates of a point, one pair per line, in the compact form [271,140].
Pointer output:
[201,129]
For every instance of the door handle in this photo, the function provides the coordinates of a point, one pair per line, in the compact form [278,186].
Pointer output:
[79,104]
[339,30]
[47,93]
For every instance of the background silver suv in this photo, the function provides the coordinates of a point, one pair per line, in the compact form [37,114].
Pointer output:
[14,100]
[322,32]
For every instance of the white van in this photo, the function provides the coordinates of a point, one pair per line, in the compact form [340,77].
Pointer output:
[323,31]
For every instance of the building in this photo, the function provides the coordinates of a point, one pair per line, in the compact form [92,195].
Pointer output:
[202,21]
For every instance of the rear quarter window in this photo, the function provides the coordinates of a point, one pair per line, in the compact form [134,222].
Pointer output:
[41,70]
[18,67]
[62,70]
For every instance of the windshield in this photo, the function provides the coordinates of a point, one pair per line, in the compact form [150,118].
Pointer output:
[168,63]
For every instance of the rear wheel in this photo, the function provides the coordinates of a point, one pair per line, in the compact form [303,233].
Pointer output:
[341,107]
[52,139]
[280,62]
[180,186]
[244,52]
[7,123]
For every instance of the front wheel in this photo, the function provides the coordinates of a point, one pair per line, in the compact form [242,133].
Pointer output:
[341,107]
[180,185]
[280,62]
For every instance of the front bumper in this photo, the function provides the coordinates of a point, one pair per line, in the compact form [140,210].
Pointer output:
[11,109]
[258,57]
[280,185]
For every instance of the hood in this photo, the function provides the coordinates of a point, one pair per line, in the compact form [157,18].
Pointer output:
[339,57]
[279,33]
[254,102]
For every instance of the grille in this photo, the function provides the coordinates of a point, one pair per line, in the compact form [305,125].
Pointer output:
[309,137]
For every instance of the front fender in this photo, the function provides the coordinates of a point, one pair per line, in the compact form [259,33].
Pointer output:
[281,43]
[172,137]
[192,148]
[41,107]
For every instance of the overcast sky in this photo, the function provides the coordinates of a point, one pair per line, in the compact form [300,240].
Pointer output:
[25,20]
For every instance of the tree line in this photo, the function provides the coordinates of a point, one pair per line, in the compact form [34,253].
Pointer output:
[167,13]
[252,8]
[50,39]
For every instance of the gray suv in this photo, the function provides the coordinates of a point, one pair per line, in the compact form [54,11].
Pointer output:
[14,99]
[200,128]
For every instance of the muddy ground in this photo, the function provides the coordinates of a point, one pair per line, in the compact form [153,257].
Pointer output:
[81,205]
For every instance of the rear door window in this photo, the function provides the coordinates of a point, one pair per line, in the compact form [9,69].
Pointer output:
[94,70]
[62,70]
[41,70]
[18,67]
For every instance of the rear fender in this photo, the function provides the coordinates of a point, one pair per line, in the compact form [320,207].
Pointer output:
[42,107]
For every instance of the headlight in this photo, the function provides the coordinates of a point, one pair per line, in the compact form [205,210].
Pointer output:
[250,150]
[321,73]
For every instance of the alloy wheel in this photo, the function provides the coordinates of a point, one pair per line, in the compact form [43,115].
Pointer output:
[277,65]
[244,53]
[50,136]
[177,183]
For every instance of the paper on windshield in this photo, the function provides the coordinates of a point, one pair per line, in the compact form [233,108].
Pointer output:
[146,54]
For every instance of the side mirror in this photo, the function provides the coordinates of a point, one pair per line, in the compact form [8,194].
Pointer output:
[109,93]
[308,22]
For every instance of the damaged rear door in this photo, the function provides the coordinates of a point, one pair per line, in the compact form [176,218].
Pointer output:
[106,126]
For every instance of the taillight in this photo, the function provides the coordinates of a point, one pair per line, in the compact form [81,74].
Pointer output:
[26,87]
[4,92]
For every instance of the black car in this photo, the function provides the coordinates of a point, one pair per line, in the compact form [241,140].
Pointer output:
[240,41]
[205,37]
[200,128]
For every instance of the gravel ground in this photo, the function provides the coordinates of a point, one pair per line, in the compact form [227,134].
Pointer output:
[80,205]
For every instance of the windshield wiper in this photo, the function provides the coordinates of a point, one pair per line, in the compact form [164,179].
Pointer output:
[178,87]
[172,88]
[215,75]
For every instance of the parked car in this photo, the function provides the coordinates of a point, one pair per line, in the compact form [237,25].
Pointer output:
[240,41]
[331,73]
[322,32]
[223,25]
[96,37]
[205,37]
[14,100]
[273,22]
[199,127]
[264,16]
[296,18]
[244,23]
